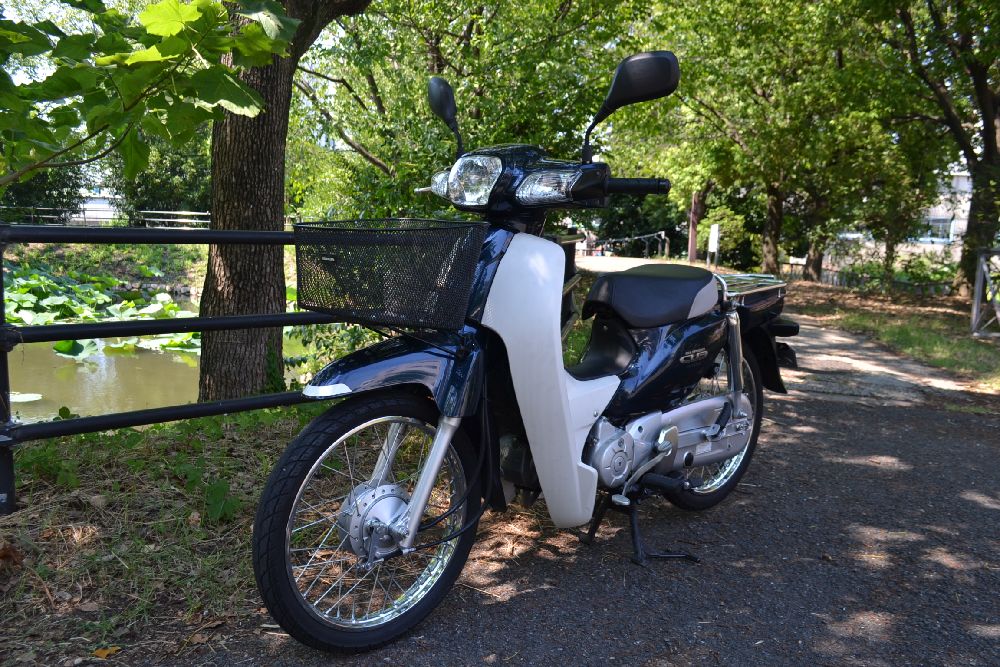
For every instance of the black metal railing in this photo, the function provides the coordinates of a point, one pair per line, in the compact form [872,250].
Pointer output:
[13,433]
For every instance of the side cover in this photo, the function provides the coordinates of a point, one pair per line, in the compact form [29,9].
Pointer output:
[453,382]
[558,411]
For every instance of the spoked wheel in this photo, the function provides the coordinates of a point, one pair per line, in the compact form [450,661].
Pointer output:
[326,562]
[720,478]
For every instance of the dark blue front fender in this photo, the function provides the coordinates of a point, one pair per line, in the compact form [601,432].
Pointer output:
[452,373]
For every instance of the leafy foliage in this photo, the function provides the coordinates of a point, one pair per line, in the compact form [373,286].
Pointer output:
[165,74]
[60,189]
[34,296]
[179,178]
[528,73]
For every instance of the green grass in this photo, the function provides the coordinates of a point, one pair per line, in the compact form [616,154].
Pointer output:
[125,531]
[937,336]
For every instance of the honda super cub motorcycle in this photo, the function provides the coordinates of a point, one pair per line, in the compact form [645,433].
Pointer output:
[368,518]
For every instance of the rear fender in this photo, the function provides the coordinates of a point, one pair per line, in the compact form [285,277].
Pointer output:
[453,374]
[761,343]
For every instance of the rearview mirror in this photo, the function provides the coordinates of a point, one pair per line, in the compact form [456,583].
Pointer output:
[639,78]
[442,100]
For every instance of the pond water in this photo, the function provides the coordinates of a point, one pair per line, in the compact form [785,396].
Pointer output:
[105,382]
[101,384]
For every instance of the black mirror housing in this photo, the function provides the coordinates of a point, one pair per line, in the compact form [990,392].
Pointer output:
[639,78]
[441,98]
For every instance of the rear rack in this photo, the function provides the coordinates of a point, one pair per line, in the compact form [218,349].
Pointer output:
[737,285]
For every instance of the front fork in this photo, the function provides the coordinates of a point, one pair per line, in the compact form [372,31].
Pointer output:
[405,528]
[735,359]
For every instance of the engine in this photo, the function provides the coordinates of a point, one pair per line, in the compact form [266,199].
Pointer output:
[612,452]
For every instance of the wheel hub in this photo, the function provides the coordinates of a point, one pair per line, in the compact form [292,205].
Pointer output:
[367,513]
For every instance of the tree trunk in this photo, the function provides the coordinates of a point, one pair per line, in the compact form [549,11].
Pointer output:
[772,228]
[813,269]
[889,262]
[248,192]
[984,224]
[695,215]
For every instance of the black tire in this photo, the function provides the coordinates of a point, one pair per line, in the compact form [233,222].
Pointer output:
[693,501]
[271,549]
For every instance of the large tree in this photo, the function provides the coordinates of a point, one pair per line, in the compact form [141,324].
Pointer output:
[952,47]
[248,192]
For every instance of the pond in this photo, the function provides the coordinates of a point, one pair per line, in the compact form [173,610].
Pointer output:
[104,382]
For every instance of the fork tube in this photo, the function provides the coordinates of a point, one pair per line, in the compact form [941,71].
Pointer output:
[735,359]
[446,428]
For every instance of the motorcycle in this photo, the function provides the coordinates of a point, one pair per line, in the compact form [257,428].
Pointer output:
[370,514]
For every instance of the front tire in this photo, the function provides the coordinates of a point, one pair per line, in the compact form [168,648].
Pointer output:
[306,560]
[719,480]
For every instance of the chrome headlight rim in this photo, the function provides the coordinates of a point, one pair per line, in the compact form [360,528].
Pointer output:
[468,189]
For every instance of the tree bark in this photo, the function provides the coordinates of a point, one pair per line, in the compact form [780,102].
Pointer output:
[772,228]
[813,269]
[248,192]
[984,220]
[695,215]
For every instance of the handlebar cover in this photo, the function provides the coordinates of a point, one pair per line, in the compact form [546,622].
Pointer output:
[638,186]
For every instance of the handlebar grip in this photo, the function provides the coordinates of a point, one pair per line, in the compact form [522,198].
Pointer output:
[638,186]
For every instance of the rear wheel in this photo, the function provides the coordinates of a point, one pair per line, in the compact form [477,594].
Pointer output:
[720,478]
[322,550]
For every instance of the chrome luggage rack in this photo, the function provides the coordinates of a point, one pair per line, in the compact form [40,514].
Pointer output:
[735,286]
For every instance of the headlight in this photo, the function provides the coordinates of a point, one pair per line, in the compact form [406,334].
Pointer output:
[472,179]
[547,187]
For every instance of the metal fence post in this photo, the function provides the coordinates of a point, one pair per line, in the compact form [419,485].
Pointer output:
[8,497]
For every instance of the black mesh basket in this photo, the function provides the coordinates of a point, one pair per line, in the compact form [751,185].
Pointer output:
[395,271]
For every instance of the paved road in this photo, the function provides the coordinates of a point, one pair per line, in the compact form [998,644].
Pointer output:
[866,532]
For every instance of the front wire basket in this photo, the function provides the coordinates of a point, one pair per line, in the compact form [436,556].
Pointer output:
[397,272]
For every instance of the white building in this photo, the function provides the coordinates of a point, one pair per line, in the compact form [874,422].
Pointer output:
[948,219]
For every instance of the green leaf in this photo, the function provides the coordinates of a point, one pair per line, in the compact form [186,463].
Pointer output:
[150,55]
[217,87]
[168,17]
[271,17]
[74,47]
[253,47]
[92,6]
[135,153]
[76,349]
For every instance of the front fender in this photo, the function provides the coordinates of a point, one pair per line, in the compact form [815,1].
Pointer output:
[451,372]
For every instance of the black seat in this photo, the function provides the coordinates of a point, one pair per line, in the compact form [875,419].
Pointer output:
[653,295]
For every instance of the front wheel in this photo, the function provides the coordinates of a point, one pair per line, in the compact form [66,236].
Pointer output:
[719,479]
[324,561]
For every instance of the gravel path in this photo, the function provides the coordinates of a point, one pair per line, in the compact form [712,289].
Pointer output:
[866,532]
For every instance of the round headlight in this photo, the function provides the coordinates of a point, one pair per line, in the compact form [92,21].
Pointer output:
[472,179]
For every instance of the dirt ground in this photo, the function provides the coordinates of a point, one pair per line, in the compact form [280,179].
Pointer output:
[866,532]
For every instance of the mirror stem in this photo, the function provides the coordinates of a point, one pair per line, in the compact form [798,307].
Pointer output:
[460,150]
[587,153]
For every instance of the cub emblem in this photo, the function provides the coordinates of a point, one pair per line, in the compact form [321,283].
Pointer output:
[692,356]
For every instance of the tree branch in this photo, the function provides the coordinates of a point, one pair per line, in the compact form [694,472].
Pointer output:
[357,147]
[342,82]
[940,91]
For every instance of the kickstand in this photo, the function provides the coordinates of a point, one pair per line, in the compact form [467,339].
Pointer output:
[640,554]
[595,522]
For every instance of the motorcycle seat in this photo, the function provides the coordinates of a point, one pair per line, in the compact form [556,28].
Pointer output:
[654,295]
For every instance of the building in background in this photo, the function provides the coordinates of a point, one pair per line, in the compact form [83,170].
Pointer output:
[948,219]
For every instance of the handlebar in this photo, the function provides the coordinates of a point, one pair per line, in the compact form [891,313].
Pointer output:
[638,186]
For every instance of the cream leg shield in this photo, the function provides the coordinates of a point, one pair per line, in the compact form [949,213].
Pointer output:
[558,411]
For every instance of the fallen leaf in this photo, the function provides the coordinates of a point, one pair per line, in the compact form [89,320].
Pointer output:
[9,555]
[105,653]
[98,501]
[198,638]
[194,519]
[88,606]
